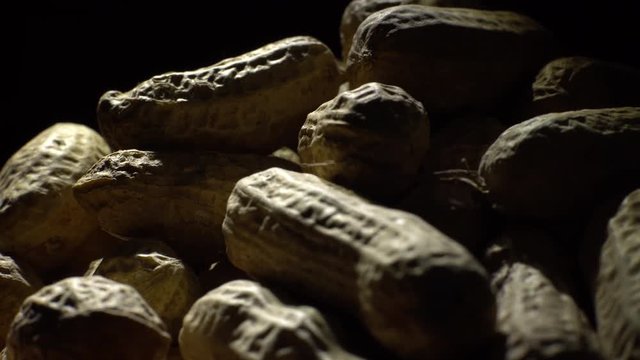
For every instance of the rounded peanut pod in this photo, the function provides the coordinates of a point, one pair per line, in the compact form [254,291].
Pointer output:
[87,318]
[41,221]
[168,285]
[243,320]
[371,139]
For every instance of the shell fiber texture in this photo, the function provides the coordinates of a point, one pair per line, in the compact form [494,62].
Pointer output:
[420,294]
[453,60]
[87,318]
[178,197]
[358,10]
[371,139]
[16,283]
[618,283]
[40,220]
[243,320]
[574,83]
[254,102]
[168,285]
[552,165]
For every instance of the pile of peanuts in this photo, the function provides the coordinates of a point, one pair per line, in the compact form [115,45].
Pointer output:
[450,189]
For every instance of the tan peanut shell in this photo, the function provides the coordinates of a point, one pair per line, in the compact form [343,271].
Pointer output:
[16,283]
[40,220]
[87,318]
[539,314]
[178,197]
[168,285]
[254,102]
[243,320]
[553,164]
[618,281]
[575,83]
[358,10]
[453,60]
[419,293]
[371,139]
[538,320]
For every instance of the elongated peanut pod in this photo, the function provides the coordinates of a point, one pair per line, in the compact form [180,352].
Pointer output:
[420,293]
[178,197]
[253,102]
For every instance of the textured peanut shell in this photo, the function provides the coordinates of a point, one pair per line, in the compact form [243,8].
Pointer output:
[254,102]
[40,220]
[168,285]
[452,60]
[243,320]
[553,164]
[575,83]
[16,283]
[358,10]
[618,281]
[178,197]
[371,139]
[420,294]
[87,318]
[538,320]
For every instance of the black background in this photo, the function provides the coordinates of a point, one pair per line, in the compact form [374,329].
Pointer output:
[70,54]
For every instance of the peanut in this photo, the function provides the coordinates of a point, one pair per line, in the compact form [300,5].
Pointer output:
[40,220]
[177,197]
[358,10]
[87,318]
[452,60]
[253,102]
[538,320]
[168,285]
[243,320]
[371,139]
[16,283]
[419,293]
[535,292]
[617,282]
[575,83]
[554,164]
